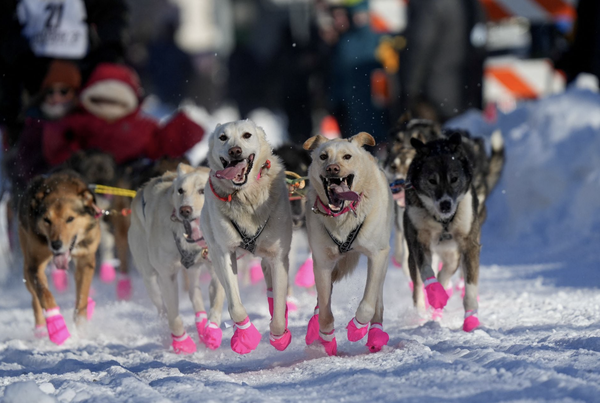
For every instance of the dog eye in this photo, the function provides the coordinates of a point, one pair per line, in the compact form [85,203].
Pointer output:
[433,181]
[201,191]
[180,191]
[70,219]
[347,156]
[393,166]
[47,221]
[223,137]
[247,135]
[323,157]
[454,179]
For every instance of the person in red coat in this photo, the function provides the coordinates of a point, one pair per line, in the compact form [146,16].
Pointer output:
[110,120]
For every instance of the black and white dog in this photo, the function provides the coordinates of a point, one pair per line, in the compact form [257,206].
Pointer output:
[443,216]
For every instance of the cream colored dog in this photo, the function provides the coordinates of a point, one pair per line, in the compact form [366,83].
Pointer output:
[247,207]
[352,213]
[165,237]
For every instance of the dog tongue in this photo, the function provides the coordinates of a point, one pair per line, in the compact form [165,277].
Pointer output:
[399,197]
[232,172]
[193,232]
[62,261]
[343,192]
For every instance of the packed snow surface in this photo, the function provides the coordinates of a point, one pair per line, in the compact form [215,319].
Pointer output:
[539,308]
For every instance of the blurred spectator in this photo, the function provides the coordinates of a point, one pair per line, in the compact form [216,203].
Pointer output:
[442,67]
[110,120]
[33,32]
[56,98]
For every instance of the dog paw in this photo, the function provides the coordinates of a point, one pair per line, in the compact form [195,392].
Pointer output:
[124,289]
[107,272]
[90,308]
[271,303]
[436,294]
[183,344]
[437,314]
[212,336]
[305,277]
[281,342]
[377,338]
[356,330]
[312,331]
[60,280]
[40,332]
[398,265]
[256,273]
[57,328]
[329,342]
[245,338]
[471,321]
[201,320]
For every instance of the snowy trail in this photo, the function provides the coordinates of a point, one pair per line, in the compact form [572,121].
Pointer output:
[538,342]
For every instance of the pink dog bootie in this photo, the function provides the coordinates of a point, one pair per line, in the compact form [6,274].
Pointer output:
[396,263]
[90,308]
[377,338]
[436,294]
[201,319]
[291,303]
[471,321]
[281,342]
[40,332]
[305,277]
[270,302]
[212,336]
[107,272]
[328,341]
[124,288]
[312,331]
[256,273]
[245,338]
[183,344]
[60,280]
[356,330]
[57,328]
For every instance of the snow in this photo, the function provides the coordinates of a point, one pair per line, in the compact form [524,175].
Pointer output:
[539,308]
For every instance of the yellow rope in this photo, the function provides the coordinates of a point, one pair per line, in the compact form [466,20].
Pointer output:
[112,190]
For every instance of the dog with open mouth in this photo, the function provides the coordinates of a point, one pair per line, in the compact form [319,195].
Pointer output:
[247,210]
[58,221]
[352,210]
[164,238]
[443,216]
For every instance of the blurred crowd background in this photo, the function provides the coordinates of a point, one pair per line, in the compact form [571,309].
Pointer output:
[113,75]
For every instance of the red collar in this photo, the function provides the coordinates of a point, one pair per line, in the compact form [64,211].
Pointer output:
[329,213]
[227,199]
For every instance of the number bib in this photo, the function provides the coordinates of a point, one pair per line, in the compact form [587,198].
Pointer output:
[55,28]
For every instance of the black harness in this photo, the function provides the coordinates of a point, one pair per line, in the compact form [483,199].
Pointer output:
[346,246]
[249,242]
[188,258]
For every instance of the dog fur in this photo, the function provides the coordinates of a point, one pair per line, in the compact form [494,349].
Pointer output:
[57,218]
[442,216]
[254,202]
[157,227]
[332,160]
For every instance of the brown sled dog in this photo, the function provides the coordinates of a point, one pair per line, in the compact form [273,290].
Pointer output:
[57,220]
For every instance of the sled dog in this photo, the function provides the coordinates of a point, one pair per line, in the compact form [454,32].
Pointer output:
[352,210]
[247,210]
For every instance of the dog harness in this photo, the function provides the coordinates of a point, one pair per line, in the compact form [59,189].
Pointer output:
[249,242]
[188,258]
[346,246]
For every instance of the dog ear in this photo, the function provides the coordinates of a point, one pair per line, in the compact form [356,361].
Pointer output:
[405,118]
[455,140]
[36,200]
[362,139]
[418,145]
[314,142]
[89,201]
[184,169]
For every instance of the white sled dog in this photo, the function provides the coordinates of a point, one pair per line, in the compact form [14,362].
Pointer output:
[247,208]
[352,213]
[165,237]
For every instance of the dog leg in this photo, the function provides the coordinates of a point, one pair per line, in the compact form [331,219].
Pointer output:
[323,281]
[213,333]
[84,273]
[38,313]
[121,225]
[182,343]
[471,265]
[151,283]
[377,337]
[280,336]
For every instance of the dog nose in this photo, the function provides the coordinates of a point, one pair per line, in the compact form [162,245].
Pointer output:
[235,152]
[185,211]
[56,245]
[445,206]
[333,169]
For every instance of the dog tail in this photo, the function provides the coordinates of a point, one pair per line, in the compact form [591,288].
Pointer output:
[345,266]
[497,161]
